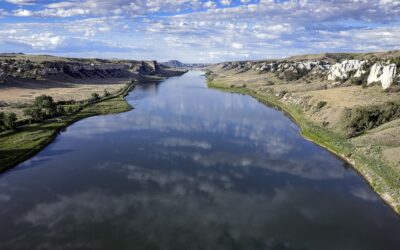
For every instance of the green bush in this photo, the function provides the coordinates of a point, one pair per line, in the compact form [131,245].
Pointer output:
[356,81]
[60,110]
[362,119]
[95,96]
[69,110]
[10,120]
[395,60]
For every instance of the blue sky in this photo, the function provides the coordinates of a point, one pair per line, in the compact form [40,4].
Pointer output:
[196,30]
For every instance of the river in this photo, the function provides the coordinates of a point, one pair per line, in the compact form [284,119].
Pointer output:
[190,168]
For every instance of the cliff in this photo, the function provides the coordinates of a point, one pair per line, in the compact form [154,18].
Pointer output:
[19,66]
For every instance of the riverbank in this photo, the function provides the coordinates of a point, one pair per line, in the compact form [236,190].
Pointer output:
[26,141]
[383,178]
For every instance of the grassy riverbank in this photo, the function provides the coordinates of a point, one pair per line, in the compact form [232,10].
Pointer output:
[24,142]
[383,178]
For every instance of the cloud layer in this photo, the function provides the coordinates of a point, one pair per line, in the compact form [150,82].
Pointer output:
[195,30]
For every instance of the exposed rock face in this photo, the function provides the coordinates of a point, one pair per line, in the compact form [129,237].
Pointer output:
[150,68]
[288,70]
[78,68]
[385,74]
[293,66]
[341,71]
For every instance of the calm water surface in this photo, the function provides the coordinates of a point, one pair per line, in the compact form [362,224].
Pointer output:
[190,168]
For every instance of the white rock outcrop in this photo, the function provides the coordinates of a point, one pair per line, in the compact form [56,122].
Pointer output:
[281,66]
[383,73]
[340,71]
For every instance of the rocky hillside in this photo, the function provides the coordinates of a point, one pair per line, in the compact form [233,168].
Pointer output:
[20,66]
[349,103]
[360,69]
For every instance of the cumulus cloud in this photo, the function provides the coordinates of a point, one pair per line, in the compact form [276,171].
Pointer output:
[40,41]
[210,5]
[22,13]
[226,2]
[218,30]
[237,45]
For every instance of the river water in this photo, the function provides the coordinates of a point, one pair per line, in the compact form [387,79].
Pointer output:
[190,168]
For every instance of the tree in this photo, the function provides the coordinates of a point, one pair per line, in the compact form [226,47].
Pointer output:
[95,96]
[43,107]
[10,120]
[47,104]
[35,112]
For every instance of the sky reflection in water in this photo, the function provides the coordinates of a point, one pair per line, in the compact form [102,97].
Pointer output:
[190,168]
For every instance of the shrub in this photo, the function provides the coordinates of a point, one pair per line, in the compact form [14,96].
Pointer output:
[106,93]
[356,81]
[362,119]
[69,110]
[321,104]
[95,96]
[282,93]
[10,120]
[60,110]
[395,60]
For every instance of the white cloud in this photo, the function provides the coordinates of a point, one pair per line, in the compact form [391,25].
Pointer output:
[41,41]
[23,13]
[207,31]
[22,2]
[237,45]
[210,5]
[226,2]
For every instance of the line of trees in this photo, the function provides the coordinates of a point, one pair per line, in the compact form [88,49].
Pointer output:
[44,107]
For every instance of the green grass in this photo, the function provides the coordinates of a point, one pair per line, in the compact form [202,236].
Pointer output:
[383,178]
[21,144]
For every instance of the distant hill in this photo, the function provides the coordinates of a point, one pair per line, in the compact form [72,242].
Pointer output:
[174,64]
[178,64]
[10,54]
